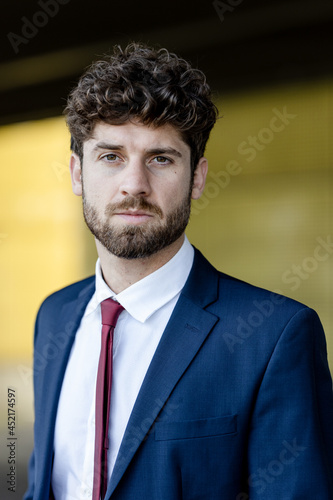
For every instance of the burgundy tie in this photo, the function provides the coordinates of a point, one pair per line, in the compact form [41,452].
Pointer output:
[110,313]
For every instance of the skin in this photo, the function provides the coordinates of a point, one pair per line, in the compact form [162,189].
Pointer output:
[135,161]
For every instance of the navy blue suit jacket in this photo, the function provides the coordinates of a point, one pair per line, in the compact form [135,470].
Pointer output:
[236,404]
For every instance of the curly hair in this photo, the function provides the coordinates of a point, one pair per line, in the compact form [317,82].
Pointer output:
[153,86]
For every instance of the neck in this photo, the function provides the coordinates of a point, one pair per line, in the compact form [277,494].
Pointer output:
[121,273]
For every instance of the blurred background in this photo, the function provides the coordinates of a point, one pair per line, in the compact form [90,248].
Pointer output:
[266,214]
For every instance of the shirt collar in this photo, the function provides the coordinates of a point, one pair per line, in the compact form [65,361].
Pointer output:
[148,295]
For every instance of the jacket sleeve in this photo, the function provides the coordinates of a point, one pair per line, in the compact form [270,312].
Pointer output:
[290,452]
[31,479]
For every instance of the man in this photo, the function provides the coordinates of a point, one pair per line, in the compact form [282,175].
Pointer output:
[191,414]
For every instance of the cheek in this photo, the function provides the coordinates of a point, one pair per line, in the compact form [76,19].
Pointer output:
[175,189]
[98,191]
[173,199]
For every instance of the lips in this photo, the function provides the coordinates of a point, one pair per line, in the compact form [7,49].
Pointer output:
[134,216]
[133,213]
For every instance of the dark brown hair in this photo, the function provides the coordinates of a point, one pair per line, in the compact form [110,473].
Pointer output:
[153,86]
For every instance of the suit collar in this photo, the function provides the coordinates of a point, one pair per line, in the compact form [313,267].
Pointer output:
[202,284]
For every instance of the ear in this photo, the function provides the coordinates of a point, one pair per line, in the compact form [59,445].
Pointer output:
[199,180]
[76,177]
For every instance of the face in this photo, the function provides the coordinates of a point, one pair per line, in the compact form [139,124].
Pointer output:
[136,185]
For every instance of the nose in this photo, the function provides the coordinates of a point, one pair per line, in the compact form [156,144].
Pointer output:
[135,179]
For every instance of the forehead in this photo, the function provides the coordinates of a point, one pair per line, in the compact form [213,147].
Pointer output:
[137,136]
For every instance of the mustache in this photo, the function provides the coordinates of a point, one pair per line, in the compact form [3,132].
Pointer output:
[131,203]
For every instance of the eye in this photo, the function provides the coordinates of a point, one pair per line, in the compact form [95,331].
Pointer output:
[111,157]
[161,160]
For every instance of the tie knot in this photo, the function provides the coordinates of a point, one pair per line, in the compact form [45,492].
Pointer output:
[110,312]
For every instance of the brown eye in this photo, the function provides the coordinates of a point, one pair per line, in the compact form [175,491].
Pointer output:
[110,157]
[162,160]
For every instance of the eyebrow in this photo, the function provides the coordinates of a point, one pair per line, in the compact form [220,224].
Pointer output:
[168,151]
[105,145]
[153,151]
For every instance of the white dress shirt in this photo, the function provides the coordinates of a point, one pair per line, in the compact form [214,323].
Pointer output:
[148,306]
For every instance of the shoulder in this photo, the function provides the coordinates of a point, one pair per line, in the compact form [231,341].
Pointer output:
[247,303]
[251,296]
[253,321]
[255,309]
[79,290]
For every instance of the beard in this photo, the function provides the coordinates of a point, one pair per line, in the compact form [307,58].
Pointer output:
[137,241]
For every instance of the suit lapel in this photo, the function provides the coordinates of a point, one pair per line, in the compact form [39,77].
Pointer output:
[68,322]
[184,335]
[49,380]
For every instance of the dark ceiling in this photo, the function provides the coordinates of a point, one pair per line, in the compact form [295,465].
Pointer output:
[238,43]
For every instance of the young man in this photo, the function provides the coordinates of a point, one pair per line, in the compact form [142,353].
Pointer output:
[187,417]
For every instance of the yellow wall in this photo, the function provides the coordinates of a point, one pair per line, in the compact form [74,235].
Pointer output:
[41,242]
[256,220]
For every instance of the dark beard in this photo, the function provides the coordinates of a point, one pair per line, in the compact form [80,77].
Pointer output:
[134,242]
